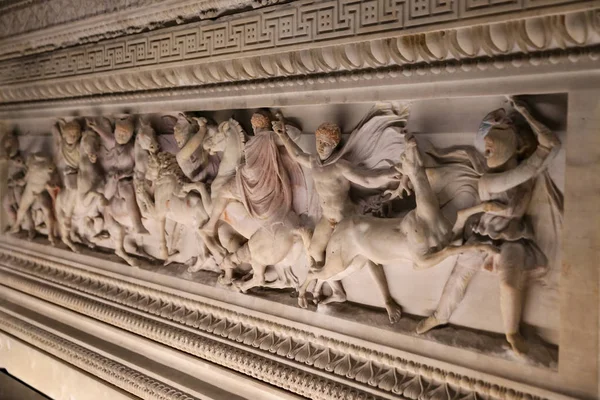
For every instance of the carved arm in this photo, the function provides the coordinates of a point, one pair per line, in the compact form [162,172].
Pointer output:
[108,137]
[371,179]
[292,148]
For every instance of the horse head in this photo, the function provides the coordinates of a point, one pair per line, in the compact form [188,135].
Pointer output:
[146,138]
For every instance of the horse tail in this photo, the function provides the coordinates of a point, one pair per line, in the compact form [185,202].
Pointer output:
[305,235]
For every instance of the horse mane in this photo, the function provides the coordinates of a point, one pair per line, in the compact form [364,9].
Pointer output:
[233,124]
[167,165]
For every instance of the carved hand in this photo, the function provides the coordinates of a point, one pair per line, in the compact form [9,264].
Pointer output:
[519,105]
[548,139]
[279,128]
[403,186]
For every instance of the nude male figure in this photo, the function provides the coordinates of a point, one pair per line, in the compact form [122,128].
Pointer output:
[332,183]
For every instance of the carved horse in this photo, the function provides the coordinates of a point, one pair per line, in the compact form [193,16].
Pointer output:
[174,197]
[38,194]
[278,245]
[422,236]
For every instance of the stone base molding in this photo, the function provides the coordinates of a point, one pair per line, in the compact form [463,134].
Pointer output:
[310,362]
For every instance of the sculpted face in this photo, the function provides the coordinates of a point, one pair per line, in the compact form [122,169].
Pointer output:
[122,135]
[90,148]
[181,134]
[500,146]
[324,149]
[328,136]
[71,132]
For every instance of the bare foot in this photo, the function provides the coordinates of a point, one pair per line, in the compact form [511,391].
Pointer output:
[517,342]
[428,324]
[394,311]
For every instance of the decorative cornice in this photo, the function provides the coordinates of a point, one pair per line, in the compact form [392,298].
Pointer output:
[259,93]
[254,48]
[34,26]
[355,365]
[104,368]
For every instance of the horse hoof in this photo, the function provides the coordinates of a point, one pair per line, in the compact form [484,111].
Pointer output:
[302,303]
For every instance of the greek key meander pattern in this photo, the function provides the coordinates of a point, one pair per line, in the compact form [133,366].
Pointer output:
[356,364]
[303,22]
[104,368]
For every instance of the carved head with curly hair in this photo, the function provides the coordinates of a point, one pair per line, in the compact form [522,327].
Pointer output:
[260,120]
[328,136]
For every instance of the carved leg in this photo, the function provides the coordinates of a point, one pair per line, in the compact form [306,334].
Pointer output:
[316,292]
[338,294]
[127,192]
[258,278]
[24,206]
[433,259]
[47,210]
[393,309]
[164,250]
[302,292]
[453,292]
[119,241]
[318,243]
[9,207]
[513,279]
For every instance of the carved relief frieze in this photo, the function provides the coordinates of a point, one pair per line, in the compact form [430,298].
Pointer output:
[264,208]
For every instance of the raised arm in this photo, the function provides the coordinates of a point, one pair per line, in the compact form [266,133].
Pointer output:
[104,130]
[57,131]
[548,147]
[292,148]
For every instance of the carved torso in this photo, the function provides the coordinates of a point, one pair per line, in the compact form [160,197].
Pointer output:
[120,159]
[332,188]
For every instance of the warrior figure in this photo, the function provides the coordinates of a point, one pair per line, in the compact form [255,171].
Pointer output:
[357,162]
[513,187]
[119,164]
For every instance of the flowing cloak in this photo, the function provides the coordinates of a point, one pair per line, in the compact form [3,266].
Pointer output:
[270,183]
[458,170]
[377,142]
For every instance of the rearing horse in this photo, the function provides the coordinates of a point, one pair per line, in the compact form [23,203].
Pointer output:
[421,236]
[276,244]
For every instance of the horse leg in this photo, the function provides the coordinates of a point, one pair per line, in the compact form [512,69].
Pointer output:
[162,225]
[46,206]
[119,241]
[24,206]
[258,278]
[392,308]
[316,292]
